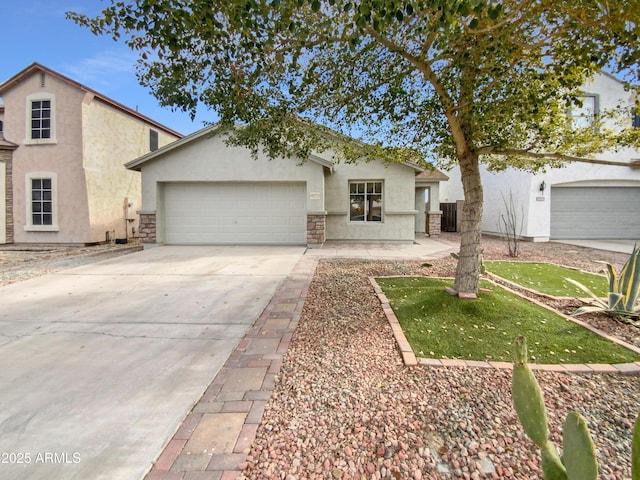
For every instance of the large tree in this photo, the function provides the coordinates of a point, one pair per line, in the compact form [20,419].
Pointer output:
[450,81]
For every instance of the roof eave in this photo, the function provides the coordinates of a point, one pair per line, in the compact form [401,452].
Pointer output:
[138,162]
[34,67]
[209,130]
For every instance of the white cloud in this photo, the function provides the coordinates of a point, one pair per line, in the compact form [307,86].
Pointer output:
[104,70]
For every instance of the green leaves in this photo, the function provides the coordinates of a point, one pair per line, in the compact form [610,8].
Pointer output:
[494,12]
[441,77]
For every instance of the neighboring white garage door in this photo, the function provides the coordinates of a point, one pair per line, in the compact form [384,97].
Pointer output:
[235,213]
[595,212]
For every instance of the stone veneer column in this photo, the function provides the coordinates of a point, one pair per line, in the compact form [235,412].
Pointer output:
[6,157]
[435,219]
[316,229]
[148,227]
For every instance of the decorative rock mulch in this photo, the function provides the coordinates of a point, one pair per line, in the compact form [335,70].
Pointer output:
[346,407]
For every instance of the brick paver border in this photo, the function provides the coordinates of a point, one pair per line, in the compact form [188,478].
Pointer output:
[214,439]
[410,359]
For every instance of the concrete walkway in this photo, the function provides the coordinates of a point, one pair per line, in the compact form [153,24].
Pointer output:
[215,437]
[423,247]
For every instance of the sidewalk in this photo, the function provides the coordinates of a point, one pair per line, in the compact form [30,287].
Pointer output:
[422,248]
[214,439]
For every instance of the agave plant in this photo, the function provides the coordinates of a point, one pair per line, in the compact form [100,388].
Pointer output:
[624,290]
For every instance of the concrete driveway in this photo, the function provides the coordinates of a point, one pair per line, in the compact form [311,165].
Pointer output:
[100,364]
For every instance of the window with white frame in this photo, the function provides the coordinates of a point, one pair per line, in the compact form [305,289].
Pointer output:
[585,114]
[41,201]
[365,201]
[40,119]
[40,127]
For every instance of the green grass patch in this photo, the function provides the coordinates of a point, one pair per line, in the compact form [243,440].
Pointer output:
[438,325]
[549,279]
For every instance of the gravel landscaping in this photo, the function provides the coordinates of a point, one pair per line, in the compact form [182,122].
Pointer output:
[21,262]
[345,406]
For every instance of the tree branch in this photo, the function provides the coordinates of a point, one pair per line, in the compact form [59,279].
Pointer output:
[554,156]
[447,103]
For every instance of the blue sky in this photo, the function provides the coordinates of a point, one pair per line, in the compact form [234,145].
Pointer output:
[37,31]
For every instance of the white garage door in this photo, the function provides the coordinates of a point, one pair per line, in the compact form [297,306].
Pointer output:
[235,213]
[595,212]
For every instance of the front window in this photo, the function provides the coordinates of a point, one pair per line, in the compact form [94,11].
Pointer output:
[40,119]
[41,200]
[365,200]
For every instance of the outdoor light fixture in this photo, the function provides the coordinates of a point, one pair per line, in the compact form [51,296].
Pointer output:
[542,186]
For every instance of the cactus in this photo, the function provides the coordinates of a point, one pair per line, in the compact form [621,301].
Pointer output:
[578,461]
[579,458]
[635,451]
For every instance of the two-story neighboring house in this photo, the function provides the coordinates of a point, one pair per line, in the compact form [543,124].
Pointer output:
[579,201]
[62,151]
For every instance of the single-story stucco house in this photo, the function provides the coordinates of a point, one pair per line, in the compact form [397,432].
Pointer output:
[199,190]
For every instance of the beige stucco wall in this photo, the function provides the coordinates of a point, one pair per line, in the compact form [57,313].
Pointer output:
[62,159]
[209,159]
[91,142]
[398,203]
[112,138]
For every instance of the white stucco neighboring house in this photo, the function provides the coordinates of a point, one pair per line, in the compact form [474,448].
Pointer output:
[579,201]
[199,190]
[62,152]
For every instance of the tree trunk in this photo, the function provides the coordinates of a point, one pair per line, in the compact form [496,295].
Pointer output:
[470,256]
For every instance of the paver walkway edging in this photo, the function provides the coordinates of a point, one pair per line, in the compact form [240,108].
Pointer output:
[214,439]
[409,358]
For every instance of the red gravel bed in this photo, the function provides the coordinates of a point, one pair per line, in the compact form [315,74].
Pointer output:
[346,407]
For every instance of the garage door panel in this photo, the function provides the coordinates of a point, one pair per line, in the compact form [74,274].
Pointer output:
[247,213]
[595,212]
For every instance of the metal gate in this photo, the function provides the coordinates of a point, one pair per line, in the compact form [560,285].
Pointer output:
[449,217]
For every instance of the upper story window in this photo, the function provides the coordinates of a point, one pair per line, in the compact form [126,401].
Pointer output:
[586,114]
[153,140]
[40,127]
[636,120]
[365,201]
[40,119]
